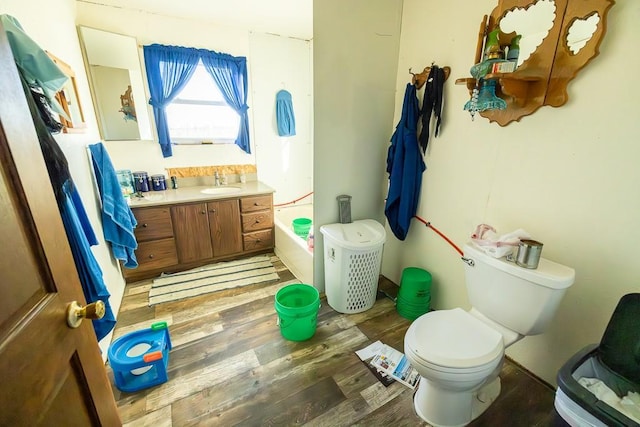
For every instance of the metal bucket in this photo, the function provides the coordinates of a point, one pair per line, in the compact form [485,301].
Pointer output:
[529,253]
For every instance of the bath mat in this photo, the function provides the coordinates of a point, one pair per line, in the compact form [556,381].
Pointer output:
[212,278]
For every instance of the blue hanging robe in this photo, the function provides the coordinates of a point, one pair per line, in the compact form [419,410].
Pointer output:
[405,167]
[284,114]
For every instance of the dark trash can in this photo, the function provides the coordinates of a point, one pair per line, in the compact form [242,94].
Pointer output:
[615,361]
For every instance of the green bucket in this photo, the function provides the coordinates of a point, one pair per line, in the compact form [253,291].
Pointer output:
[297,307]
[301,227]
[414,295]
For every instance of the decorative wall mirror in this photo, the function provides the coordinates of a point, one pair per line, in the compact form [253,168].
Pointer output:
[69,100]
[116,83]
[557,38]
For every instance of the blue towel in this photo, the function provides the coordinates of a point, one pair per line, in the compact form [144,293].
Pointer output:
[81,237]
[405,167]
[118,221]
[284,114]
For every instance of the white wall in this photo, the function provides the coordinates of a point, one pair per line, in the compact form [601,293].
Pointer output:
[355,46]
[567,175]
[53,28]
[284,163]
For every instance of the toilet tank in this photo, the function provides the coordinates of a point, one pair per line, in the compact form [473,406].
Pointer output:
[520,299]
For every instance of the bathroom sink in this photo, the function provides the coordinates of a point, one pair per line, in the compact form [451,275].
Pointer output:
[220,190]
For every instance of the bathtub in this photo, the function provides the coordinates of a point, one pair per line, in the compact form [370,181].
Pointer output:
[291,249]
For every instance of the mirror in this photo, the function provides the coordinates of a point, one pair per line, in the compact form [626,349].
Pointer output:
[581,31]
[68,99]
[116,84]
[533,23]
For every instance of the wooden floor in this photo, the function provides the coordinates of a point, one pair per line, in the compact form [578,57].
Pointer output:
[230,366]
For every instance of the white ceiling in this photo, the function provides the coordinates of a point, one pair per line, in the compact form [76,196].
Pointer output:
[293,18]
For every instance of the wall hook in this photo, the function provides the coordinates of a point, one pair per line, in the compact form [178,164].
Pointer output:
[421,78]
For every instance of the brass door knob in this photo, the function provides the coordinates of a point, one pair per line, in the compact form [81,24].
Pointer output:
[75,312]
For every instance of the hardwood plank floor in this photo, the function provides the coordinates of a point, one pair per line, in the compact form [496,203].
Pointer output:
[231,366]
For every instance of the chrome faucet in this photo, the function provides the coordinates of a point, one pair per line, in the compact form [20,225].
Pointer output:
[217,177]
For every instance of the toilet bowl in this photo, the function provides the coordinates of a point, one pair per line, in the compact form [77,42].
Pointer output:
[455,355]
[459,353]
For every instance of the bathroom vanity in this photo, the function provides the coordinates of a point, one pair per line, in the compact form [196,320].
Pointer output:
[193,226]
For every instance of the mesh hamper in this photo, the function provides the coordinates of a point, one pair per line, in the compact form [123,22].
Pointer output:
[353,254]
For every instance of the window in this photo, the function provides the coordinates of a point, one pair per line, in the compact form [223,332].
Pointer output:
[200,113]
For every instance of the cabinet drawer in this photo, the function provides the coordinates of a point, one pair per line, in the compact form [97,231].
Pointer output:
[257,221]
[156,254]
[258,240]
[258,203]
[153,223]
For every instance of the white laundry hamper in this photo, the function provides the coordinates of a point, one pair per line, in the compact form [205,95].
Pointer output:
[352,259]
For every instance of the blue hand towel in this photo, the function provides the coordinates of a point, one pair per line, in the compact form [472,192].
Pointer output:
[81,237]
[284,114]
[118,221]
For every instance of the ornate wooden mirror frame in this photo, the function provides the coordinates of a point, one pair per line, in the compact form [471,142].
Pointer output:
[543,78]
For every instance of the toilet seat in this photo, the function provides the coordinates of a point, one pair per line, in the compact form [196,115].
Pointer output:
[448,340]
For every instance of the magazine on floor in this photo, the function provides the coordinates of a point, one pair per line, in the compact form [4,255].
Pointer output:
[388,364]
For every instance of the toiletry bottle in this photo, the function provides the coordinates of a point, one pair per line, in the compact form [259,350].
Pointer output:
[514,49]
[310,239]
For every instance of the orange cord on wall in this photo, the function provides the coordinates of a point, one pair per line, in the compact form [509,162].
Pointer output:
[293,201]
[428,224]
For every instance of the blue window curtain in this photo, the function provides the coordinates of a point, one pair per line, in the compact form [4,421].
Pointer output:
[169,68]
[230,74]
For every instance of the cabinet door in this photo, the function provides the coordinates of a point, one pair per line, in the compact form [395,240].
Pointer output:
[156,254]
[224,223]
[153,223]
[257,221]
[256,203]
[191,232]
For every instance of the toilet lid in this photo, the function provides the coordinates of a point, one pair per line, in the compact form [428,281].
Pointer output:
[455,339]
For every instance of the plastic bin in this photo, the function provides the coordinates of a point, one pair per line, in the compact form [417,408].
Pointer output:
[352,258]
[614,362]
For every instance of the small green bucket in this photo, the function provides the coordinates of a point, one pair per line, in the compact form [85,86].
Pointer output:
[414,295]
[301,227]
[297,306]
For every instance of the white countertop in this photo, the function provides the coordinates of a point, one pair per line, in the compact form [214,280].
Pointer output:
[195,194]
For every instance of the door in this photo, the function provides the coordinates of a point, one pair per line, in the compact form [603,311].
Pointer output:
[224,220]
[51,374]
[191,232]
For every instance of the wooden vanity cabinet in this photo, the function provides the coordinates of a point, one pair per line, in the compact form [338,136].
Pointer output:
[178,237]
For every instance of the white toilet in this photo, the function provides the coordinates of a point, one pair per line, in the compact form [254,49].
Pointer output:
[459,353]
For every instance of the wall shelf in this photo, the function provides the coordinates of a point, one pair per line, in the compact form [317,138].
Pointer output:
[541,79]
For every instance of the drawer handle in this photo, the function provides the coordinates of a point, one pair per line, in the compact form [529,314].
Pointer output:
[258,240]
[212,211]
[151,256]
[203,212]
[257,221]
[256,204]
[145,225]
